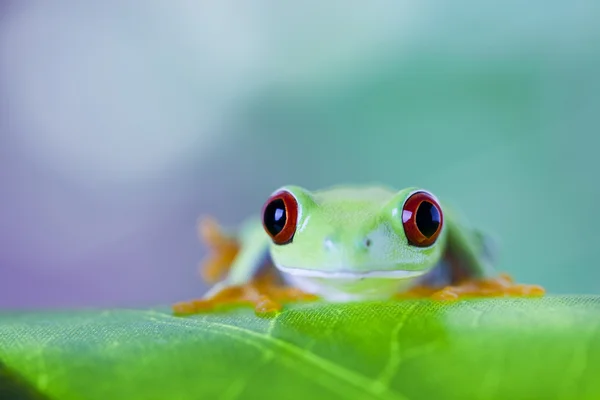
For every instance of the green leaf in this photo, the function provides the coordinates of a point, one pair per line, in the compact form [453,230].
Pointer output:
[545,348]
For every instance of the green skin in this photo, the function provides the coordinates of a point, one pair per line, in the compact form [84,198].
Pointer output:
[350,245]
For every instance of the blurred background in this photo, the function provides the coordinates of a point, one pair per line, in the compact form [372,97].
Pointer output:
[121,122]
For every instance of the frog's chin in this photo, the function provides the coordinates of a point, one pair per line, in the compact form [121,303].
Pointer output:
[348,274]
[344,286]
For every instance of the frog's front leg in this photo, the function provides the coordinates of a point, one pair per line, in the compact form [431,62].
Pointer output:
[267,293]
[469,271]
[255,293]
[500,286]
[264,293]
[249,278]
[473,272]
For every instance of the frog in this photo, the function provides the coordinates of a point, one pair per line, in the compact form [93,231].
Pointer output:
[349,243]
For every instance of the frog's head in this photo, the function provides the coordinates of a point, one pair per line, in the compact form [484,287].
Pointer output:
[354,231]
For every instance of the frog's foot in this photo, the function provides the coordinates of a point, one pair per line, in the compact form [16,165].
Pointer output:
[501,286]
[228,295]
[266,296]
[231,296]
[223,250]
[268,284]
[417,292]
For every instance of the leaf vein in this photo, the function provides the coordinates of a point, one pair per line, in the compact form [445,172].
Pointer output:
[394,359]
[354,378]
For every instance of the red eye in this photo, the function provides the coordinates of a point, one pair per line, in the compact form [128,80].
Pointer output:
[422,219]
[279,216]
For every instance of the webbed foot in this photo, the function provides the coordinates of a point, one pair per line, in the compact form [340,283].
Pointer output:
[417,292]
[501,286]
[263,293]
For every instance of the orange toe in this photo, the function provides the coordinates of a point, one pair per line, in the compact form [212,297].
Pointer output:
[264,293]
[223,250]
[501,286]
[266,305]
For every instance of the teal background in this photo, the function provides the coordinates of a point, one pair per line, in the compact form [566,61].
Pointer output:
[123,123]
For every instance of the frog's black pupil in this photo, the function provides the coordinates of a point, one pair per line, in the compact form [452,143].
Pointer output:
[428,218]
[275,216]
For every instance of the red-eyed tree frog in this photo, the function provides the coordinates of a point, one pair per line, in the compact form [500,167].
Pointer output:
[349,243]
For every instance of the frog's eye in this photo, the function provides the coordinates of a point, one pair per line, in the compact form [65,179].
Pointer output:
[422,219]
[279,216]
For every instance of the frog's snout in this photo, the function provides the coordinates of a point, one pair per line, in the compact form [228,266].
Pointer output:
[329,244]
[361,244]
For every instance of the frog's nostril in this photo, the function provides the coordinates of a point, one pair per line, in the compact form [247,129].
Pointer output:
[365,244]
[328,244]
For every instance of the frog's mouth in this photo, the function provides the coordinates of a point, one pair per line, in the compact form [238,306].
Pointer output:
[345,274]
